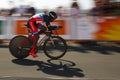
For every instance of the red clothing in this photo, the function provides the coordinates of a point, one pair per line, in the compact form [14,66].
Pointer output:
[35,19]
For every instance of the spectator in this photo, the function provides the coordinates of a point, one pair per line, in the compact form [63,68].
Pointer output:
[60,11]
[102,8]
[31,10]
[21,10]
[75,9]
[45,11]
[97,10]
[12,11]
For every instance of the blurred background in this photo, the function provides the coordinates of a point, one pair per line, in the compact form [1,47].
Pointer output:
[10,7]
[22,7]
[81,19]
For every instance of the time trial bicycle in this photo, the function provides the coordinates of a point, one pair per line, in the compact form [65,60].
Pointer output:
[53,45]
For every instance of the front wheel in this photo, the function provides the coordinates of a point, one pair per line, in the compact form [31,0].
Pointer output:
[55,47]
[19,47]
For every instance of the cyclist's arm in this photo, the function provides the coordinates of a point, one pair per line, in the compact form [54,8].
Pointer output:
[44,24]
[46,21]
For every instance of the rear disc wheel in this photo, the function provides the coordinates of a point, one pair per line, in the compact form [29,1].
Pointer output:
[20,46]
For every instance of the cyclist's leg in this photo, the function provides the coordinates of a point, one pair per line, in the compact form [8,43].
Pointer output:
[35,38]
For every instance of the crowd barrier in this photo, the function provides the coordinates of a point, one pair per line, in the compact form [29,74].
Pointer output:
[80,28]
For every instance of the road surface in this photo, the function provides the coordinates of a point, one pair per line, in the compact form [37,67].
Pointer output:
[82,62]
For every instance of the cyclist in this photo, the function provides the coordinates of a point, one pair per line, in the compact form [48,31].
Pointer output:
[38,24]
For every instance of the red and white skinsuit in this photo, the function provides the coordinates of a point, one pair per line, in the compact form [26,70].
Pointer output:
[39,19]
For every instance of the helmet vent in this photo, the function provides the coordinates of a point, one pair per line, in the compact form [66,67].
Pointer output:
[51,15]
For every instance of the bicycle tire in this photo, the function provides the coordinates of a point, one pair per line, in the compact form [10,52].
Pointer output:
[15,44]
[60,44]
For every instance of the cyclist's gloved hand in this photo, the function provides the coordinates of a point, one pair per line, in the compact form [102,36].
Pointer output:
[35,32]
[56,27]
[53,27]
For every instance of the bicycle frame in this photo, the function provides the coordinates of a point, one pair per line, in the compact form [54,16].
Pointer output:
[42,41]
[47,36]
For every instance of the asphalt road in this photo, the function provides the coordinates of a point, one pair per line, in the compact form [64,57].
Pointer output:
[86,62]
